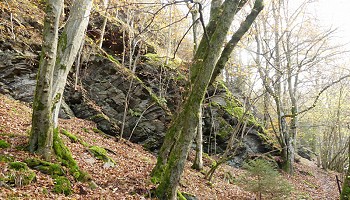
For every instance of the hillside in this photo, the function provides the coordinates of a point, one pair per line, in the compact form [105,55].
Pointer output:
[129,179]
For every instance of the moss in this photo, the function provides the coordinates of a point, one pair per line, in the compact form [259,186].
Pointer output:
[99,117]
[20,178]
[65,157]
[100,153]
[61,151]
[180,196]
[62,186]
[6,158]
[4,144]
[45,167]
[225,129]
[96,130]
[62,41]
[72,137]
[22,147]
[40,106]
[18,166]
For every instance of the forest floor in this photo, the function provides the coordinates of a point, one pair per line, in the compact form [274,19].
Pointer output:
[129,178]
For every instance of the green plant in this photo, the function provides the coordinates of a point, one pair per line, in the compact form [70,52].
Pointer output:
[262,178]
[4,144]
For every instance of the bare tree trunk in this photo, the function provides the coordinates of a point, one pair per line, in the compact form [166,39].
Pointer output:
[68,47]
[103,28]
[41,139]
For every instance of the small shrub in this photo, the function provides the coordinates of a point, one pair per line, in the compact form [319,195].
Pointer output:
[263,179]
[4,144]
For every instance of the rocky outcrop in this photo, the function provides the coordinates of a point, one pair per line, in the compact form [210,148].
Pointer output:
[17,74]
[223,112]
[104,88]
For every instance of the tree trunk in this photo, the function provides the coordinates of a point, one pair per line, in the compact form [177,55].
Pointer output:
[68,47]
[173,154]
[198,161]
[41,138]
[104,24]
[345,193]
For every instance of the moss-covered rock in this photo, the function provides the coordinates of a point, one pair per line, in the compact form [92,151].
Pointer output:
[20,178]
[19,174]
[62,185]
[100,153]
[4,144]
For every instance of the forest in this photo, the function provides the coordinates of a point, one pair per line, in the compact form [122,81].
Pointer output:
[173,99]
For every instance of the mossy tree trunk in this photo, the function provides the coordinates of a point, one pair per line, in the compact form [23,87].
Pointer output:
[173,154]
[345,193]
[57,57]
[41,138]
[198,161]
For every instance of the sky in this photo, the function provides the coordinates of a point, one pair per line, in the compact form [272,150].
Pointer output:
[335,14]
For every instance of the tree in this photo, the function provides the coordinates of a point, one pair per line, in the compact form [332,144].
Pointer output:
[173,153]
[42,125]
[57,57]
[294,49]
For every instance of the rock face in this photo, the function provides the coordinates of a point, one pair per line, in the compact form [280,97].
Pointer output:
[102,96]
[221,121]
[103,89]
[17,74]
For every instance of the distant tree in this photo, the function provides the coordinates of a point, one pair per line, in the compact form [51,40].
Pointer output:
[56,60]
[173,153]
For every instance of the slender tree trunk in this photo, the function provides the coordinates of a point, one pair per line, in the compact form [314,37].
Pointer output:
[68,47]
[198,161]
[41,138]
[104,24]
[345,193]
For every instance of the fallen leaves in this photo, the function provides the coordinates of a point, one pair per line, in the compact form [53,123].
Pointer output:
[129,177]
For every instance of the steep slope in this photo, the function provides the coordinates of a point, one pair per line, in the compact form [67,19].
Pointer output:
[127,180]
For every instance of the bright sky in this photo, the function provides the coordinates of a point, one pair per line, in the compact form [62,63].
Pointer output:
[335,14]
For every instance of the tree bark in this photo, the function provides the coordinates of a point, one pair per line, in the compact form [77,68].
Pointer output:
[171,160]
[345,193]
[41,139]
[198,160]
[68,47]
